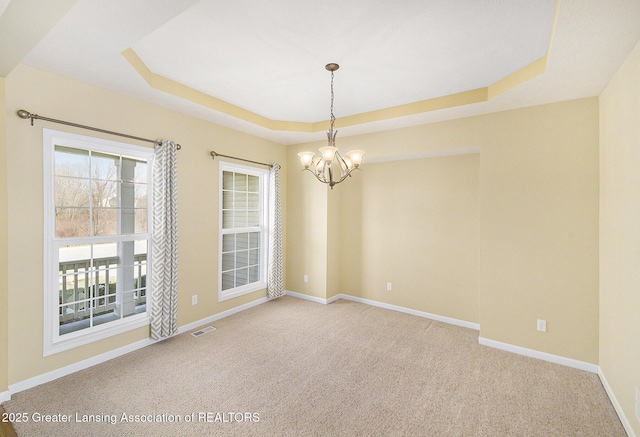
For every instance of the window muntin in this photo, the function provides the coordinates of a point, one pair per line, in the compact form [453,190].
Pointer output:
[97,246]
[243,230]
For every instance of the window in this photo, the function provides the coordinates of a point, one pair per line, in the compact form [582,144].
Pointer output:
[97,213]
[243,230]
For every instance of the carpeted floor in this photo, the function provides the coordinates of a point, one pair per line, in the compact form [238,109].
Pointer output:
[295,368]
[6,430]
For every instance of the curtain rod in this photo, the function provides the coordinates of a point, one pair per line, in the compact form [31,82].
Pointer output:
[214,154]
[26,114]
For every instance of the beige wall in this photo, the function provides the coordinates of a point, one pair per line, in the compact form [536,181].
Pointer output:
[414,224]
[306,246]
[522,220]
[57,97]
[620,234]
[539,228]
[4,310]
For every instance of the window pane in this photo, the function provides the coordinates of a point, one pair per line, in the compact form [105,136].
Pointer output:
[72,222]
[227,219]
[74,273]
[254,274]
[140,274]
[105,252]
[71,191]
[71,162]
[242,258]
[253,218]
[227,180]
[141,248]
[242,241]
[104,167]
[228,281]
[104,277]
[103,313]
[105,221]
[140,195]
[113,308]
[102,305]
[140,172]
[240,201]
[228,242]
[242,277]
[240,181]
[254,239]
[74,317]
[130,169]
[104,194]
[254,184]
[228,261]
[240,219]
[253,201]
[227,200]
[254,256]
[141,218]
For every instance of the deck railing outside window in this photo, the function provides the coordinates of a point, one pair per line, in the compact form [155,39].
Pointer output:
[79,298]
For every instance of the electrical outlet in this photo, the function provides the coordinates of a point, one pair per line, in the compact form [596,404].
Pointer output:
[194,299]
[542,325]
[389,287]
[306,278]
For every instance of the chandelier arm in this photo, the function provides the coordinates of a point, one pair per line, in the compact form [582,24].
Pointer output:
[331,182]
[348,174]
[315,174]
[342,162]
[323,173]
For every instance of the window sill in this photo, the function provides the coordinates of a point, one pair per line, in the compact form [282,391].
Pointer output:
[240,291]
[79,338]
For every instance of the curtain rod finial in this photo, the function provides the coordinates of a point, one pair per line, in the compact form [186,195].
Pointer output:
[23,114]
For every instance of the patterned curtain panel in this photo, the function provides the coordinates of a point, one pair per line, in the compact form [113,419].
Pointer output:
[164,263]
[275,281]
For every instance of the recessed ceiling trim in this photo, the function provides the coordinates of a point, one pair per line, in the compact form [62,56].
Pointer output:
[177,89]
[425,155]
[478,95]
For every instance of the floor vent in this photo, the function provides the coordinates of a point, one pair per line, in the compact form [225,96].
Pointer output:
[203,331]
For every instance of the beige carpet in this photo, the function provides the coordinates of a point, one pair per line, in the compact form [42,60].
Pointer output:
[296,368]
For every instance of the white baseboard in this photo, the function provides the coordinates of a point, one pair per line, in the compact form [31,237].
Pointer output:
[85,364]
[5,396]
[76,367]
[616,404]
[222,315]
[387,306]
[310,298]
[569,362]
[449,320]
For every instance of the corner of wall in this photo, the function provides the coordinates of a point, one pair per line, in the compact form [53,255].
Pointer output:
[4,295]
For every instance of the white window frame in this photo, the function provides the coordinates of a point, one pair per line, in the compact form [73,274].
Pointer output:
[263,175]
[53,342]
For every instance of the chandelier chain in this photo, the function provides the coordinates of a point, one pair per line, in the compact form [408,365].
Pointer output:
[333,118]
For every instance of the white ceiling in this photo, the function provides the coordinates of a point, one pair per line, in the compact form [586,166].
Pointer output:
[269,57]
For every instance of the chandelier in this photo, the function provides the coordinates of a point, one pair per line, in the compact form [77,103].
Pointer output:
[331,168]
